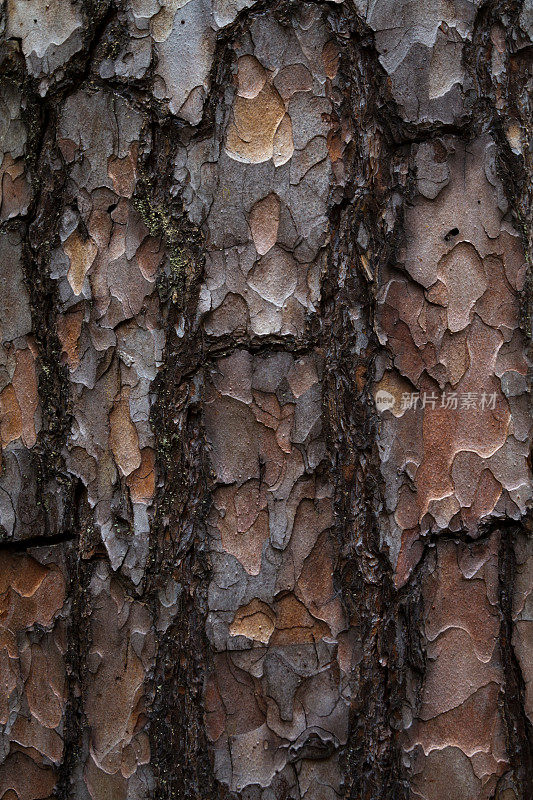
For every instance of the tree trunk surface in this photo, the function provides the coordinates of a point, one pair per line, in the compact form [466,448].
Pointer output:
[264,419]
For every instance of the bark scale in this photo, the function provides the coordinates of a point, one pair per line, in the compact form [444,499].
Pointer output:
[264,407]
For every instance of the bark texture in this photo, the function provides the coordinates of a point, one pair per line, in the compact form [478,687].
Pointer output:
[264,412]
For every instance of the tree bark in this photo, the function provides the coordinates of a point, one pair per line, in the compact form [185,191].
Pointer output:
[264,421]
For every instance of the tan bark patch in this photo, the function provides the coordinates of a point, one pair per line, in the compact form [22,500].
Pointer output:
[122,172]
[264,222]
[330,58]
[10,416]
[255,121]
[255,620]
[123,436]
[27,391]
[283,144]
[142,480]
[69,331]
[81,254]
[251,77]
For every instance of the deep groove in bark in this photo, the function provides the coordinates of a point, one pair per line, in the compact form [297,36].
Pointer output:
[387,622]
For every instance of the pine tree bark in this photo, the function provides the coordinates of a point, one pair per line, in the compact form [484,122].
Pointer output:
[264,420]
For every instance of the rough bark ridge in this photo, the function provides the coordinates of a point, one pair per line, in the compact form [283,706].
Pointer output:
[264,420]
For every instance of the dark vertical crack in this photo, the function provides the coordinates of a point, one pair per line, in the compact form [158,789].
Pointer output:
[371,759]
[385,622]
[179,748]
[179,743]
[519,728]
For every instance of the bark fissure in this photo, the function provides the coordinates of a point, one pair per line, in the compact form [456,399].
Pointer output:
[236,560]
